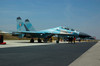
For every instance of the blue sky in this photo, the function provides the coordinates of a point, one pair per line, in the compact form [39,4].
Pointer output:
[82,15]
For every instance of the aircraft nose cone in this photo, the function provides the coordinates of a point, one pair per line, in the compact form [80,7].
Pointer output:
[83,35]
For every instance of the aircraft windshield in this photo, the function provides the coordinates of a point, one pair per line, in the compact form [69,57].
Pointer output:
[72,29]
[67,28]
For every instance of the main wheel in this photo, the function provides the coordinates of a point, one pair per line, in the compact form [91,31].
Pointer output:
[39,40]
[57,41]
[32,41]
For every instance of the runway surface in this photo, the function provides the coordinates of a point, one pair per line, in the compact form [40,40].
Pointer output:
[61,54]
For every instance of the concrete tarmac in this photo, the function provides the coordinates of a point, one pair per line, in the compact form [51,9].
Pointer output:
[89,58]
[45,54]
[21,43]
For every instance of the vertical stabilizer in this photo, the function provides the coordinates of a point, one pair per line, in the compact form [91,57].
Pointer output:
[20,27]
[20,24]
[28,26]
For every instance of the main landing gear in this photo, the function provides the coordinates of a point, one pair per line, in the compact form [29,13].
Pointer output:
[58,39]
[39,40]
[32,40]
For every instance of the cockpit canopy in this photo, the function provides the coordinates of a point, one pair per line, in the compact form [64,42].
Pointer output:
[72,30]
[67,28]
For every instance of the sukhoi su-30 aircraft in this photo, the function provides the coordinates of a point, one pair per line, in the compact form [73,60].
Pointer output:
[25,29]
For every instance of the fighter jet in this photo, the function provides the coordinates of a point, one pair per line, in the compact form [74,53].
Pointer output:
[25,29]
